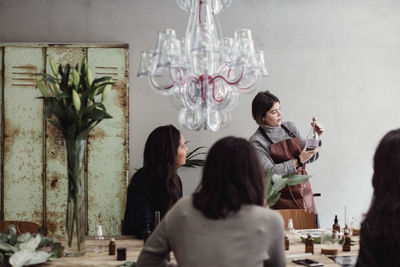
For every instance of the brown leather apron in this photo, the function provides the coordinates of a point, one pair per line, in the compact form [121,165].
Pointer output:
[294,196]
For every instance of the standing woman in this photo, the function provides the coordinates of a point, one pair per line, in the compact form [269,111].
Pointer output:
[156,186]
[380,232]
[281,148]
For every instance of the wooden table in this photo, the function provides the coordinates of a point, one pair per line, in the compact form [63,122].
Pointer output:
[134,246]
[298,248]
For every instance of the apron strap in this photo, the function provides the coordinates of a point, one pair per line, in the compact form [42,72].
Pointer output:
[265,134]
[287,131]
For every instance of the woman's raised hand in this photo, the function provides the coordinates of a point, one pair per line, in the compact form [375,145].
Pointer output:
[319,128]
[306,155]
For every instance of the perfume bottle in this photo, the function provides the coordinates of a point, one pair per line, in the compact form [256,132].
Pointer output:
[336,226]
[312,141]
[290,226]
[156,218]
[309,244]
[146,233]
[99,240]
[346,241]
[111,246]
[287,243]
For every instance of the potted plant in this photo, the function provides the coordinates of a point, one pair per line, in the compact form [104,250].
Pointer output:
[76,100]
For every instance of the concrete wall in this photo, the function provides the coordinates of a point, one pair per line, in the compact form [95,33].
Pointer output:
[336,59]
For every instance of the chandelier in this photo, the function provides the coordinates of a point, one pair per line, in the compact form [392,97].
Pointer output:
[203,73]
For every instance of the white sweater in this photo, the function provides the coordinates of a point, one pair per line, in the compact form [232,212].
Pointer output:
[250,238]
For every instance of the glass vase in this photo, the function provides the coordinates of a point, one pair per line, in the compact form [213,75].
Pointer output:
[76,209]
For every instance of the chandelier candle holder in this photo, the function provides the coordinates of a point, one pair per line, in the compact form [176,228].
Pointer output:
[203,73]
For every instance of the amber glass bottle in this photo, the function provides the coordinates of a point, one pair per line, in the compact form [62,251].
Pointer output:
[286,242]
[111,246]
[346,241]
[309,244]
[336,226]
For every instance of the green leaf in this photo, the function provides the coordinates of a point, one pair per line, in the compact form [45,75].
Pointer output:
[194,151]
[28,257]
[49,78]
[279,184]
[65,76]
[194,163]
[195,155]
[99,114]
[7,247]
[275,183]
[43,88]
[58,110]
[84,134]
[102,79]
[298,180]
[273,199]
[57,125]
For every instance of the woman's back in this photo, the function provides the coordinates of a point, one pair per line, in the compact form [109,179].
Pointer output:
[247,238]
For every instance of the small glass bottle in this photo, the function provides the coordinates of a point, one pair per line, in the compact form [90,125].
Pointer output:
[352,223]
[121,254]
[346,228]
[336,226]
[111,246]
[309,244]
[286,242]
[312,141]
[99,240]
[146,233]
[156,218]
[346,241]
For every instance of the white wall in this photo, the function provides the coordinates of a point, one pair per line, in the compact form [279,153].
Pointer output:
[336,59]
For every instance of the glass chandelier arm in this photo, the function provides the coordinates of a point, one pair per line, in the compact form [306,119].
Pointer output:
[228,81]
[246,87]
[213,91]
[249,87]
[180,81]
[156,86]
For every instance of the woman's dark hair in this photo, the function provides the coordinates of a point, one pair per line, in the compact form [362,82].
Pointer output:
[159,162]
[262,102]
[383,217]
[232,176]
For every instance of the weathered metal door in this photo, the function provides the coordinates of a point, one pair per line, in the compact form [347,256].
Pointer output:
[33,164]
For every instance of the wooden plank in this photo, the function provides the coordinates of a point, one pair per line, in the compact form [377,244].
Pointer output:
[56,170]
[108,145]
[1,137]
[302,219]
[65,45]
[23,121]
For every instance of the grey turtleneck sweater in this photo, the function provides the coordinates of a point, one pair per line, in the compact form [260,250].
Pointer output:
[251,237]
[276,134]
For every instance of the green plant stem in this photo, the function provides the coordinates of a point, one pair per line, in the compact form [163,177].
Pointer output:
[77,222]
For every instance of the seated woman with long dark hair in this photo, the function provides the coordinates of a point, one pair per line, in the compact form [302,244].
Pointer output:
[156,186]
[224,223]
[380,232]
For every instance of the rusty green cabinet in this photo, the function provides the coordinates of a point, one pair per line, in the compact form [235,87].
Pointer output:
[33,165]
